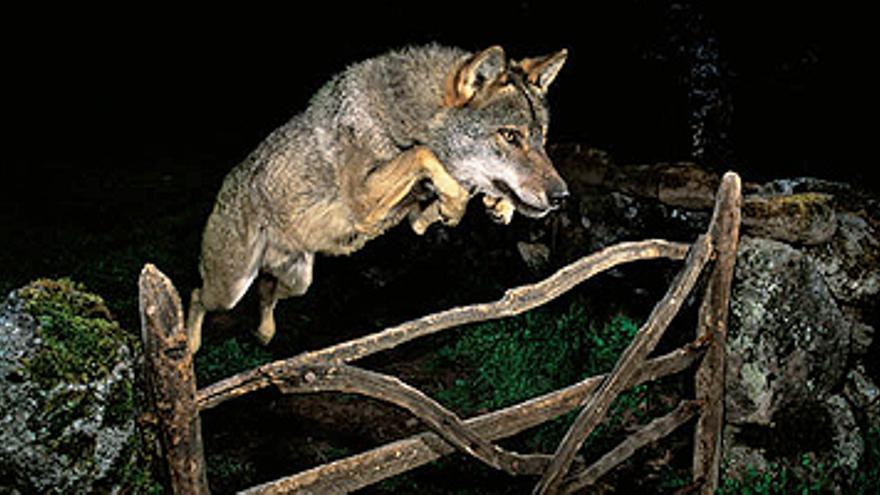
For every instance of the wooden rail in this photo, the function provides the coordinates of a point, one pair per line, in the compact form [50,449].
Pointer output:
[177,402]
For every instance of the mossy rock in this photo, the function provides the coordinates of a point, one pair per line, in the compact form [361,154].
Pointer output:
[68,403]
[804,218]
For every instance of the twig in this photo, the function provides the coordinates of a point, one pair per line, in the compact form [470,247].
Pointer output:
[649,433]
[712,325]
[172,381]
[634,355]
[355,472]
[514,302]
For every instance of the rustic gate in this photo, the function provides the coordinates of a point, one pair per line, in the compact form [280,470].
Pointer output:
[177,401]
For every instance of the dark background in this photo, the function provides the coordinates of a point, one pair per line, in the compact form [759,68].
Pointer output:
[92,91]
[121,124]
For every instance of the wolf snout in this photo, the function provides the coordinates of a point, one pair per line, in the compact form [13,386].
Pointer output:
[557,197]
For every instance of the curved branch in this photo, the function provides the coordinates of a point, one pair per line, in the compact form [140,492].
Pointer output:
[349,379]
[361,470]
[514,302]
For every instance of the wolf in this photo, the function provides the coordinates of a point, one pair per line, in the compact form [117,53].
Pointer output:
[412,134]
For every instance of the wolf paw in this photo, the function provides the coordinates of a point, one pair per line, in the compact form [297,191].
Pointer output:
[265,331]
[500,210]
[452,210]
[422,219]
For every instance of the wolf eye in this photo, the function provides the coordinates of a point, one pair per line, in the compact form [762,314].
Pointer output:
[512,136]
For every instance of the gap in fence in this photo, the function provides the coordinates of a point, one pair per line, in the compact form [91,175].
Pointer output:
[266,435]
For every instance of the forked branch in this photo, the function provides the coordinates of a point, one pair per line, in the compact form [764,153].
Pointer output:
[360,470]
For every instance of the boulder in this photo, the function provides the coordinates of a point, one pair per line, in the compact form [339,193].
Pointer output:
[67,395]
[850,262]
[788,350]
[788,341]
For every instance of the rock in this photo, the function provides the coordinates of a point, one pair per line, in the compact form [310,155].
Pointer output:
[788,348]
[804,302]
[67,395]
[803,218]
[851,261]
[788,339]
[862,334]
[818,443]
[609,217]
[864,394]
[847,446]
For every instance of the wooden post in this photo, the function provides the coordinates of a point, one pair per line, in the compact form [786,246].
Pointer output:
[172,381]
[712,326]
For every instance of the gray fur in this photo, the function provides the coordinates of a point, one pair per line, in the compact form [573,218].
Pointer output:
[297,193]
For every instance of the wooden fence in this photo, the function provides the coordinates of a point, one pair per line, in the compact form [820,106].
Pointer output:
[178,402]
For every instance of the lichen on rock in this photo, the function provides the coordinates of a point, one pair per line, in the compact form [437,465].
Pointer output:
[788,350]
[67,397]
[850,263]
[789,340]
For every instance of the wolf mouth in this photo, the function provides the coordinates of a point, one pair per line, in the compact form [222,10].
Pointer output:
[521,205]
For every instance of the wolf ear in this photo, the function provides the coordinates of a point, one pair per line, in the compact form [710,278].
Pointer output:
[541,71]
[474,74]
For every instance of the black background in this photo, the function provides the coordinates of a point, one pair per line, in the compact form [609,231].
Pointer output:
[92,93]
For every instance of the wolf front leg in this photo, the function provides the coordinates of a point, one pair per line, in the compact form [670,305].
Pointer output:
[392,182]
[499,209]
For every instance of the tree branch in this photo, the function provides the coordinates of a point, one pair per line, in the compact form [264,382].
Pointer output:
[653,431]
[349,379]
[355,472]
[712,326]
[514,302]
[634,355]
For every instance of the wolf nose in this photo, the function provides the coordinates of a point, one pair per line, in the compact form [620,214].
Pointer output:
[557,197]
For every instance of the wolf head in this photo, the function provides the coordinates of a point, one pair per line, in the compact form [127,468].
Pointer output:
[492,132]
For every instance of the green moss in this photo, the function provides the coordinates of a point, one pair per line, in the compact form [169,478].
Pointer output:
[79,447]
[79,335]
[780,478]
[806,476]
[60,410]
[230,357]
[80,341]
[223,467]
[532,354]
[868,478]
[121,403]
[522,357]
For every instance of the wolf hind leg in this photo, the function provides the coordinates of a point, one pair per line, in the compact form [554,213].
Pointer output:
[284,275]
[194,320]
[228,266]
